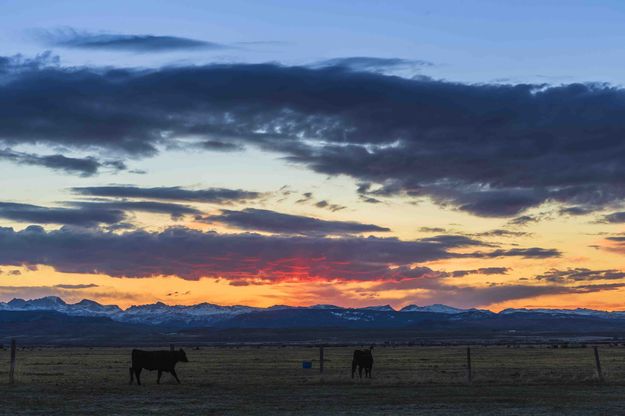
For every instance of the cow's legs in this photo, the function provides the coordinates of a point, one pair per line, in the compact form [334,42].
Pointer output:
[158,378]
[131,374]
[137,375]
[353,368]
[173,373]
[360,371]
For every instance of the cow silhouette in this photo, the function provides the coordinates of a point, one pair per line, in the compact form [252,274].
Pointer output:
[363,360]
[156,360]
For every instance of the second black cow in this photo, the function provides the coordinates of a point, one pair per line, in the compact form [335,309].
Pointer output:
[156,360]
[363,360]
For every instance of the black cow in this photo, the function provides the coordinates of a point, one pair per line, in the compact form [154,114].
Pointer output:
[363,359]
[156,360]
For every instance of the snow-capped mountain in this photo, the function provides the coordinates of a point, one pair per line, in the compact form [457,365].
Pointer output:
[154,314]
[95,308]
[200,314]
[48,302]
[83,308]
[381,308]
[322,306]
[436,308]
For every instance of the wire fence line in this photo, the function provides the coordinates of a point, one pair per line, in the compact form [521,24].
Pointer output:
[392,364]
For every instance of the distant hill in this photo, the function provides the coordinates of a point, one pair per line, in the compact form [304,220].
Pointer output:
[55,328]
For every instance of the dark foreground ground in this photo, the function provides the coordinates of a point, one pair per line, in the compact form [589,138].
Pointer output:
[270,380]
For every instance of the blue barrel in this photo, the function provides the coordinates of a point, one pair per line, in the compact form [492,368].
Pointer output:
[306,364]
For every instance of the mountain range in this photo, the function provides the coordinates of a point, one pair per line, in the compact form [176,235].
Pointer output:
[208,314]
[52,320]
[199,315]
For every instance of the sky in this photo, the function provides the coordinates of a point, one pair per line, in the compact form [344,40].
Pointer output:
[290,152]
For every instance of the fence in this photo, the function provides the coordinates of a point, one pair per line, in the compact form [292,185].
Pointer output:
[397,364]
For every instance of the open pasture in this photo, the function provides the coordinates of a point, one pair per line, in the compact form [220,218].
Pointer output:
[271,380]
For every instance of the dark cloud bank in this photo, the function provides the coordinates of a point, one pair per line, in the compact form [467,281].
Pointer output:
[193,254]
[173,193]
[483,270]
[87,166]
[373,64]
[113,203]
[86,216]
[277,222]
[71,38]
[491,150]
[89,214]
[580,275]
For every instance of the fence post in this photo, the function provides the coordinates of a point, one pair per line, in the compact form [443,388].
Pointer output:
[469,370]
[12,367]
[321,359]
[171,347]
[598,364]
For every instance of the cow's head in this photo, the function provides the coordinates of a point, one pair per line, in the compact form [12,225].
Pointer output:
[182,356]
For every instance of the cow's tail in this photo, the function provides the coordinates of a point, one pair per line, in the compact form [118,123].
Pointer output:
[131,374]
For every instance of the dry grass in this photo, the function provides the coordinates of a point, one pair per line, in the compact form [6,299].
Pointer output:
[270,380]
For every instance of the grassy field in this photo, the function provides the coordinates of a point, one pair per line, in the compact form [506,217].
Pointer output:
[270,380]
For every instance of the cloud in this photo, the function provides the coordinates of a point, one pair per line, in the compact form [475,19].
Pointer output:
[528,253]
[373,64]
[306,197]
[89,214]
[616,244]
[452,240]
[491,203]
[487,149]
[88,166]
[489,295]
[502,233]
[432,229]
[277,222]
[76,287]
[220,146]
[176,211]
[524,220]
[323,204]
[71,38]
[174,193]
[614,218]
[579,275]
[576,211]
[431,289]
[483,270]
[326,205]
[83,216]
[192,254]
[369,200]
[16,64]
